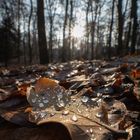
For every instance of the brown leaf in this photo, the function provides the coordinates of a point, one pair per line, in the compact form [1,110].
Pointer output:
[135,73]
[23,89]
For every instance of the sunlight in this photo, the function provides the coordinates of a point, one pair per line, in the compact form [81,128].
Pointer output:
[78,31]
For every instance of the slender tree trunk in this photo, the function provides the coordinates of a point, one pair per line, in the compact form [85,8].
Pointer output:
[19,36]
[120,27]
[29,33]
[110,30]
[64,51]
[51,41]
[124,34]
[98,32]
[42,41]
[87,30]
[128,37]
[70,28]
[51,7]
[24,45]
[35,41]
[93,32]
[135,25]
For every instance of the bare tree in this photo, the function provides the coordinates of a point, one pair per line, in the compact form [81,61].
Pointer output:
[93,24]
[87,27]
[29,32]
[120,27]
[24,41]
[19,34]
[135,25]
[111,29]
[64,51]
[51,10]
[70,27]
[42,42]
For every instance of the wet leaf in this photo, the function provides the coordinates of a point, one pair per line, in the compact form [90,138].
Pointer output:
[90,98]
[46,93]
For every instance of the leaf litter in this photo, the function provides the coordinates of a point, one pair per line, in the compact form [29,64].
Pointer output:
[90,99]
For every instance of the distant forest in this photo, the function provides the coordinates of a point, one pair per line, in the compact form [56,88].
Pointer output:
[48,31]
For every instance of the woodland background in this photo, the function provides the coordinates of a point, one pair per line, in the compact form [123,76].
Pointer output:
[42,31]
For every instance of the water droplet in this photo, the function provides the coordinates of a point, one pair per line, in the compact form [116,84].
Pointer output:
[106,89]
[65,112]
[91,131]
[41,105]
[34,100]
[74,118]
[35,117]
[60,95]
[99,101]
[93,99]
[99,114]
[45,101]
[37,95]
[85,99]
[79,111]
[43,114]
[61,103]
[73,99]
[69,93]
[87,131]
[52,114]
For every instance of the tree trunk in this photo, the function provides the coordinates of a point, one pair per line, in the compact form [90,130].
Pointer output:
[19,36]
[51,41]
[64,52]
[98,31]
[51,8]
[128,37]
[29,33]
[135,25]
[42,42]
[70,28]
[120,27]
[87,30]
[93,24]
[110,30]
[35,41]
[23,42]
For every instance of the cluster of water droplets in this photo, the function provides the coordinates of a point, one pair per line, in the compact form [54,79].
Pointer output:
[57,97]
[55,100]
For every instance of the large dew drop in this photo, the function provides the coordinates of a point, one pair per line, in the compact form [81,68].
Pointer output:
[74,118]
[84,99]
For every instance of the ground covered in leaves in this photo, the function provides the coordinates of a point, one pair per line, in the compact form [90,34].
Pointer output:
[78,100]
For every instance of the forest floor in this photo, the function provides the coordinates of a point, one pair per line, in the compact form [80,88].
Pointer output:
[103,101]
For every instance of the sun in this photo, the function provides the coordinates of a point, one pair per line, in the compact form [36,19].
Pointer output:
[78,31]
